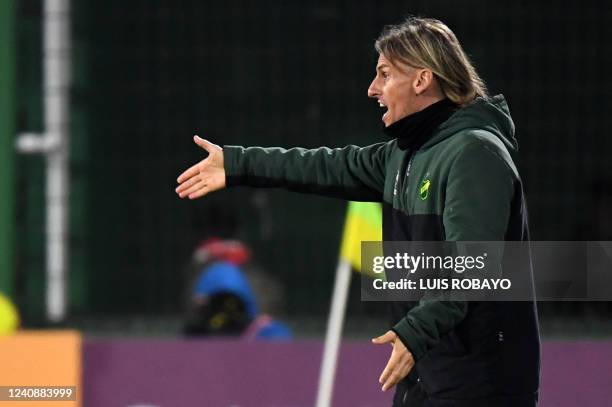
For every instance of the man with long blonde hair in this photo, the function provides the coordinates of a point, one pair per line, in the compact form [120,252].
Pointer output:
[448,174]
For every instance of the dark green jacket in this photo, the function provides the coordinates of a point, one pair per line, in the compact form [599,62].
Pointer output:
[461,184]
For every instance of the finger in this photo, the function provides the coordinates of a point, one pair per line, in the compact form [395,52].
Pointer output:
[391,364]
[185,185]
[188,173]
[386,338]
[199,193]
[392,381]
[205,144]
[194,188]
[398,374]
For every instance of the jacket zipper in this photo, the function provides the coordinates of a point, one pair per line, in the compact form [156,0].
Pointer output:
[405,184]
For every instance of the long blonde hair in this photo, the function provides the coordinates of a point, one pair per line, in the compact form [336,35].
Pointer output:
[429,43]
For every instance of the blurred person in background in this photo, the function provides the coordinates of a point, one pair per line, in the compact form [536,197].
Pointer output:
[445,130]
[223,299]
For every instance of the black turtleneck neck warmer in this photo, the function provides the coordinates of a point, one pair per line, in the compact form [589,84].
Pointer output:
[414,130]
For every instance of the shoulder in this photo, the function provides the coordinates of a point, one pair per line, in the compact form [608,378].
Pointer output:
[478,147]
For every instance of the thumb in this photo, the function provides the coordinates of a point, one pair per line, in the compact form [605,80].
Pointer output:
[205,144]
[386,338]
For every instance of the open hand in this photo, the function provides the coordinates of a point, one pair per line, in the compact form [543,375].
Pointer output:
[206,176]
[400,363]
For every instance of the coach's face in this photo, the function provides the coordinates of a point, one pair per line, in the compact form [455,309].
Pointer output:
[397,87]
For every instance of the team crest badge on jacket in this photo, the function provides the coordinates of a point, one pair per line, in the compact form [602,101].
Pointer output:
[424,189]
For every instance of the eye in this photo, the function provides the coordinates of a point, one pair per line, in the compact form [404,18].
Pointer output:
[385,75]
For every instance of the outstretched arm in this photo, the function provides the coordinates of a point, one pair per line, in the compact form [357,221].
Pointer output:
[351,172]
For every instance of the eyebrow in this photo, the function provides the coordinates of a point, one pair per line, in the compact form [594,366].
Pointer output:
[381,66]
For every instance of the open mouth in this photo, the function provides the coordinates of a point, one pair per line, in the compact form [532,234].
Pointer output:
[383,106]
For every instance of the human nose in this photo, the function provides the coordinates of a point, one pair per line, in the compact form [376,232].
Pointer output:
[373,90]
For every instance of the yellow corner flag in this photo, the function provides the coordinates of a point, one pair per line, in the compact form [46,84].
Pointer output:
[363,223]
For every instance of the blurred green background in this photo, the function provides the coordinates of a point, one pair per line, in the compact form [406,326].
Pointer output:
[147,75]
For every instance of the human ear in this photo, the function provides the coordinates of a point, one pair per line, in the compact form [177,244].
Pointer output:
[422,81]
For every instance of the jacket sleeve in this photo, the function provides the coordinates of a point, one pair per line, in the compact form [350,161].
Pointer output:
[479,193]
[353,173]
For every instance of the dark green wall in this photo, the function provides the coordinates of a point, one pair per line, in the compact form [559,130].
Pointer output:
[29,169]
[7,131]
[274,72]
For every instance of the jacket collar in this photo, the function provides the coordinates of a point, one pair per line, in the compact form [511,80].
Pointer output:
[414,130]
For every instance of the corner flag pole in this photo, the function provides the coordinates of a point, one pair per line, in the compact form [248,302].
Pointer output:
[363,223]
[333,334]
